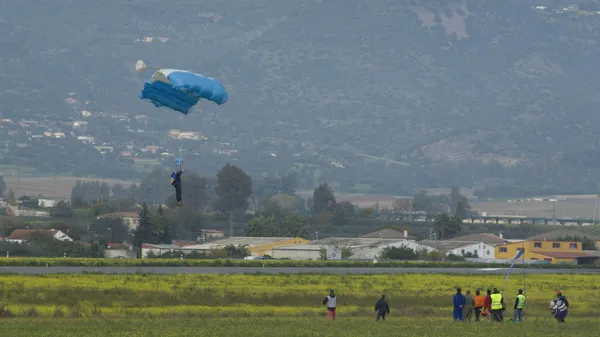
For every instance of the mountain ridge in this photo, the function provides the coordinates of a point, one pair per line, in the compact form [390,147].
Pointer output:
[473,93]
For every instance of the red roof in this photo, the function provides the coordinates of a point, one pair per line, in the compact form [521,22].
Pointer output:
[212,231]
[23,234]
[565,255]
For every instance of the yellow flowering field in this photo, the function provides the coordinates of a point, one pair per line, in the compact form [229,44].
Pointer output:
[187,295]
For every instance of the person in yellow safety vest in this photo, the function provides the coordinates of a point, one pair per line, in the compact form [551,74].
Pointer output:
[519,305]
[497,306]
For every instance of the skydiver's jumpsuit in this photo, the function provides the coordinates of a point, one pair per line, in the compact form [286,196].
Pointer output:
[176,182]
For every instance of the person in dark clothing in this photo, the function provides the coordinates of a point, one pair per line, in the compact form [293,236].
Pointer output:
[382,308]
[459,304]
[560,307]
[176,182]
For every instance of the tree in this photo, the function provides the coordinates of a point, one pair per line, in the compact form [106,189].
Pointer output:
[162,227]
[398,253]
[144,232]
[366,213]
[289,183]
[263,227]
[118,191]
[10,195]
[2,186]
[62,211]
[323,199]
[447,226]
[234,187]
[239,251]
[458,203]
[290,225]
[110,230]
[104,192]
[155,187]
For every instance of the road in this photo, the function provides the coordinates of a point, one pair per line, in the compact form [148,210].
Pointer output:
[280,270]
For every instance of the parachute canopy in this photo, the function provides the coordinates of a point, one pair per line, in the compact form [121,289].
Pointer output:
[180,90]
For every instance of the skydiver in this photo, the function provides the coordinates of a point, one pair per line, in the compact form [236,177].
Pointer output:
[176,182]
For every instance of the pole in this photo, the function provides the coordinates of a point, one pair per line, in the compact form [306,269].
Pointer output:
[524,282]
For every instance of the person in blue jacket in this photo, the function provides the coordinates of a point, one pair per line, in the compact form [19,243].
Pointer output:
[459,304]
[176,182]
[382,308]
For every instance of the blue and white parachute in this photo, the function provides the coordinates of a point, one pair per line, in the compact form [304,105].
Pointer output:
[180,90]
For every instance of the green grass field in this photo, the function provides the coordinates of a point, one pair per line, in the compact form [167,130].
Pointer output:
[288,327]
[276,305]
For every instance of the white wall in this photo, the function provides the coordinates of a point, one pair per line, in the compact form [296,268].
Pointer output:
[295,254]
[116,253]
[370,253]
[47,203]
[483,250]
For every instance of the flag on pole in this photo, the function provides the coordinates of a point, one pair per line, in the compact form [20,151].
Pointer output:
[517,256]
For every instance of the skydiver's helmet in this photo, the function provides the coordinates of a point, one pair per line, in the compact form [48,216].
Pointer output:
[552,304]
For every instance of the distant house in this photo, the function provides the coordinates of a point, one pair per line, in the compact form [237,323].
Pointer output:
[86,139]
[22,235]
[47,203]
[118,250]
[547,250]
[159,249]
[462,248]
[555,235]
[131,219]
[212,234]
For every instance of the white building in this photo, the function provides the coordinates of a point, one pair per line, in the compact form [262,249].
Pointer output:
[118,250]
[22,235]
[158,249]
[297,252]
[47,203]
[374,251]
[462,248]
[86,140]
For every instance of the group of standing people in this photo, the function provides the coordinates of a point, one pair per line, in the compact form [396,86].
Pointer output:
[467,306]
[491,306]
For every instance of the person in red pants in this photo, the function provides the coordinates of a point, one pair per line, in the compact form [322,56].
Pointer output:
[331,302]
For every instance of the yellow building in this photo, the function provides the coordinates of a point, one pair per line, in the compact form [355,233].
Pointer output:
[551,251]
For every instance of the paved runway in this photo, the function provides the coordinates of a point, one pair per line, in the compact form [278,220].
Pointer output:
[280,270]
